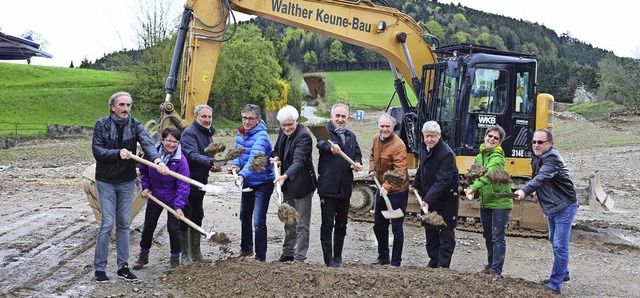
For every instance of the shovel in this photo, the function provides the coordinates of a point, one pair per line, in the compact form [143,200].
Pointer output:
[432,218]
[390,213]
[344,155]
[286,213]
[235,175]
[213,236]
[208,188]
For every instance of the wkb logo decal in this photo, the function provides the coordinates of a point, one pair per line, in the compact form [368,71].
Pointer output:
[485,120]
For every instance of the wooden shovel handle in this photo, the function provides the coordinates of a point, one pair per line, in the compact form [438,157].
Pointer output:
[183,218]
[276,168]
[157,167]
[415,192]
[386,199]
[344,155]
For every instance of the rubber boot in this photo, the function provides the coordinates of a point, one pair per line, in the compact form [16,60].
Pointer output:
[338,243]
[143,259]
[185,256]
[327,253]
[196,255]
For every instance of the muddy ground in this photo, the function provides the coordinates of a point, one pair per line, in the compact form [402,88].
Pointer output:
[48,232]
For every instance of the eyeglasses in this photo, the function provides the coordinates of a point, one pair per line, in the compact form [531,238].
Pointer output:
[539,142]
[248,118]
[170,141]
[497,138]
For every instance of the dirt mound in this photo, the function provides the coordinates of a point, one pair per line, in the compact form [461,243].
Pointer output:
[259,279]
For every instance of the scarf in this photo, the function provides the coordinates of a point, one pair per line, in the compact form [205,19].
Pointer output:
[341,132]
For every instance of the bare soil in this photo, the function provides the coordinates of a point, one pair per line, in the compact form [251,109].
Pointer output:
[48,231]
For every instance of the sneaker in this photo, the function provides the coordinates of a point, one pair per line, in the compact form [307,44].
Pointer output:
[486,270]
[284,258]
[243,254]
[101,277]
[495,277]
[552,291]
[566,278]
[381,262]
[126,274]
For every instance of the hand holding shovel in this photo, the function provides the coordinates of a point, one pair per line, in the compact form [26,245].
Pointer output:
[286,213]
[390,213]
[238,184]
[432,218]
[208,188]
[357,167]
[220,238]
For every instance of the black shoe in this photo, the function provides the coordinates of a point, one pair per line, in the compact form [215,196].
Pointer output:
[552,291]
[243,254]
[486,270]
[566,278]
[101,277]
[381,262]
[126,274]
[284,258]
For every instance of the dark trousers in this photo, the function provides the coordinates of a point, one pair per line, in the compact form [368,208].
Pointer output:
[151,216]
[253,214]
[440,246]
[334,213]
[381,227]
[494,227]
[194,209]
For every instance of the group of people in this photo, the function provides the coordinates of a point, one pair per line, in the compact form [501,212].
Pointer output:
[291,167]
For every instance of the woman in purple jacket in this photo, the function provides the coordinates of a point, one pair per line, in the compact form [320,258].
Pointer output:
[169,190]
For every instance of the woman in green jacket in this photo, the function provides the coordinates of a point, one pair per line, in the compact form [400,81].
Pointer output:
[494,209]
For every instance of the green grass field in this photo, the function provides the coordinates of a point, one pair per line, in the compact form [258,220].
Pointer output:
[33,96]
[367,89]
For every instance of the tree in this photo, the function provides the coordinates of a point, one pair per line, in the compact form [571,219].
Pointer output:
[71,65]
[155,23]
[85,63]
[247,72]
[310,60]
[336,55]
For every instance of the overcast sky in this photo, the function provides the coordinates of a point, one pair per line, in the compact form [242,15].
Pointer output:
[75,29]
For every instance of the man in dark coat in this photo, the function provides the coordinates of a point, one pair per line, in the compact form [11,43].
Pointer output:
[335,178]
[293,152]
[194,140]
[437,182]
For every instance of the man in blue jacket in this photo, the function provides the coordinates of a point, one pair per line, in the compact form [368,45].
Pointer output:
[194,140]
[253,136]
[115,138]
[335,178]
[557,197]
[293,151]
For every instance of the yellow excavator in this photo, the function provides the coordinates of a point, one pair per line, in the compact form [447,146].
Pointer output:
[465,88]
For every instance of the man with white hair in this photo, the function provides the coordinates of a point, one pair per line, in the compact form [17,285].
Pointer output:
[293,152]
[437,182]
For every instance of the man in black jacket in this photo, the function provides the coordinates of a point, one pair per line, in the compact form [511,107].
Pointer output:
[194,140]
[437,182]
[293,152]
[115,138]
[557,197]
[335,178]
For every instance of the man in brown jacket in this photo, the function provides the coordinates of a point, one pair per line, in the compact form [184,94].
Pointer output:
[387,154]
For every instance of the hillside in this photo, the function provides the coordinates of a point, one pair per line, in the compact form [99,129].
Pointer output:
[41,95]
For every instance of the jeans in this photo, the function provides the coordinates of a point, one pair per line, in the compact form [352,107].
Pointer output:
[381,226]
[494,227]
[296,240]
[559,234]
[115,205]
[334,214]
[253,208]
[151,216]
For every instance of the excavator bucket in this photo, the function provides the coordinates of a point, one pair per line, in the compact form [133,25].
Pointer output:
[598,198]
